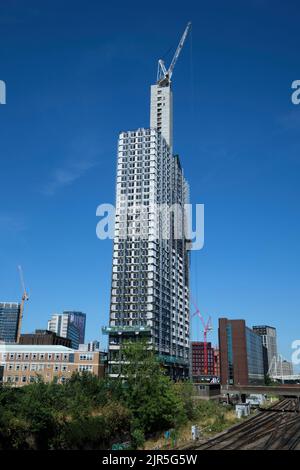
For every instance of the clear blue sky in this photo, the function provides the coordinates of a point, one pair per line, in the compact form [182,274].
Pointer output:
[79,72]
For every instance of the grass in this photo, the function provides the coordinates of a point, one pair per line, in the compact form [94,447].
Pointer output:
[211,418]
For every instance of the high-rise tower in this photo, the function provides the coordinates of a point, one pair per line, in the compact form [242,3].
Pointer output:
[150,276]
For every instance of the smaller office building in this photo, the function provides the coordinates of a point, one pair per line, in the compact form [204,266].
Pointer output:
[45,337]
[241,354]
[24,364]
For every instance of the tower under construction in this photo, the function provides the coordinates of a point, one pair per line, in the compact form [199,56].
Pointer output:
[150,274]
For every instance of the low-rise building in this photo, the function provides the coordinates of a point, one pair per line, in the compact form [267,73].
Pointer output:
[24,364]
[91,346]
[198,359]
[45,337]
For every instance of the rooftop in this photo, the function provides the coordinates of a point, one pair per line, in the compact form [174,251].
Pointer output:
[34,348]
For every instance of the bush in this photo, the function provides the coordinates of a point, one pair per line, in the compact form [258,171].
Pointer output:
[137,438]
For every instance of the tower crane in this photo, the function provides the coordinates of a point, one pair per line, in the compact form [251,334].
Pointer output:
[25,297]
[163,75]
[207,327]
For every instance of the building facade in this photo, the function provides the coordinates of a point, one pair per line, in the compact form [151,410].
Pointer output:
[198,361]
[269,339]
[23,364]
[69,325]
[150,275]
[91,346]
[78,319]
[216,362]
[9,317]
[45,337]
[241,354]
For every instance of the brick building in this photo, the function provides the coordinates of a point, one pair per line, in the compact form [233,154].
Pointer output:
[216,362]
[23,364]
[44,337]
[241,353]
[198,366]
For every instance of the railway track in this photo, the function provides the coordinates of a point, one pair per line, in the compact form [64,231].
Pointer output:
[276,428]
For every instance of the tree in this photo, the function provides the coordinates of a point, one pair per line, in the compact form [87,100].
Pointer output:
[148,392]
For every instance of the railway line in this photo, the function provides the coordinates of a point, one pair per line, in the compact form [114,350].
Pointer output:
[272,429]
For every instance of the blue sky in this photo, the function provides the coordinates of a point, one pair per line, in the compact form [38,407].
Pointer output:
[79,72]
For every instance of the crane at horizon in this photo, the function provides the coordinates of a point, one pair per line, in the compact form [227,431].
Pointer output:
[25,297]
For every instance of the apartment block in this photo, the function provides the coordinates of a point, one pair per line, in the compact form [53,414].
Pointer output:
[150,274]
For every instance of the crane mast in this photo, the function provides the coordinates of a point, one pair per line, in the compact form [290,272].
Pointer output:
[163,75]
[207,327]
[25,297]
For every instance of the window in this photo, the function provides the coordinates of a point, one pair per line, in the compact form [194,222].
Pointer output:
[83,368]
[86,357]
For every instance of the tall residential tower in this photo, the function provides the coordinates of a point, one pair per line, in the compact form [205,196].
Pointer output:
[150,275]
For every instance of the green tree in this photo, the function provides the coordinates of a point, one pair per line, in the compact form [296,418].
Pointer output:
[148,392]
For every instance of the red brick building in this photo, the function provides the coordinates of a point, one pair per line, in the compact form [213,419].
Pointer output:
[198,366]
[241,353]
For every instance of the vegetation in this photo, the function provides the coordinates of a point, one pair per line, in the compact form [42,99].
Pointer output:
[91,413]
